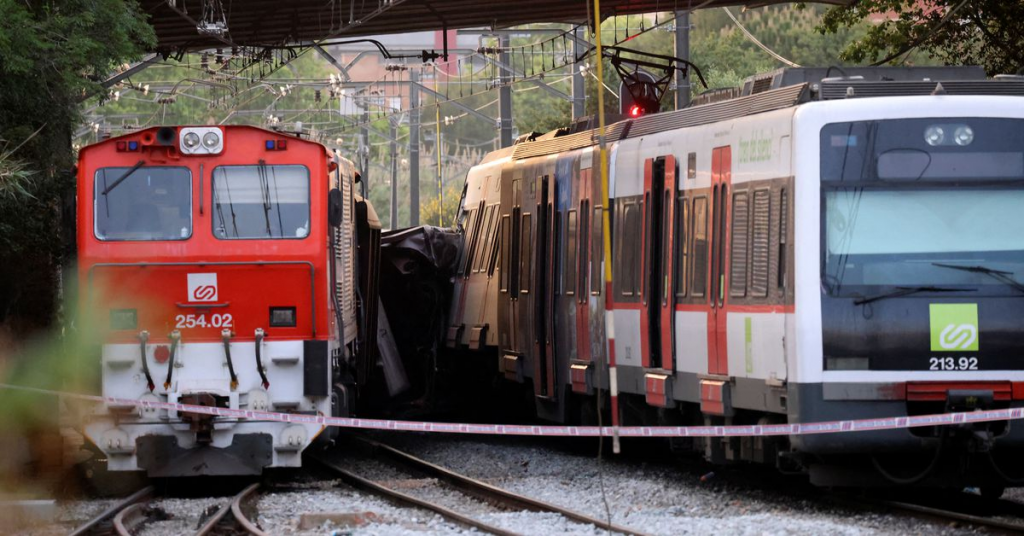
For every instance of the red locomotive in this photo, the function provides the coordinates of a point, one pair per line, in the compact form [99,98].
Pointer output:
[230,267]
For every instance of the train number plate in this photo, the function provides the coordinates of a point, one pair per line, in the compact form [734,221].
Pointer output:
[953,363]
[203,321]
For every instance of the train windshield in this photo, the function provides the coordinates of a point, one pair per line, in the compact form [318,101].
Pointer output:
[923,203]
[261,202]
[142,203]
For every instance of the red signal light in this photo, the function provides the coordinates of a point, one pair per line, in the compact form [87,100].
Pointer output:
[635,111]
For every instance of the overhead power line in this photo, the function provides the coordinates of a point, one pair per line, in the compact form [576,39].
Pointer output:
[753,39]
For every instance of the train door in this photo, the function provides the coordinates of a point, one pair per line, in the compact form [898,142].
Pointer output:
[567,172]
[510,238]
[544,274]
[657,299]
[721,183]
[523,285]
[580,381]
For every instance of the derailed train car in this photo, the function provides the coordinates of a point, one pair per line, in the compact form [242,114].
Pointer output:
[804,249]
[227,267]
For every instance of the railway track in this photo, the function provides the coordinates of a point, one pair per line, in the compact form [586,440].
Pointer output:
[970,510]
[493,495]
[222,523]
[119,519]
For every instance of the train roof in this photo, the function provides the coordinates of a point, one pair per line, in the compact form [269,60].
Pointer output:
[785,88]
[153,131]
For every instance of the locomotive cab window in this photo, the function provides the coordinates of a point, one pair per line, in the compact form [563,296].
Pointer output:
[947,218]
[142,203]
[261,202]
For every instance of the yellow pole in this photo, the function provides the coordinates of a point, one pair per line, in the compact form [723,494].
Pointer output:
[606,227]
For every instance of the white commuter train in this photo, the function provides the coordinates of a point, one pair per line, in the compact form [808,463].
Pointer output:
[806,248]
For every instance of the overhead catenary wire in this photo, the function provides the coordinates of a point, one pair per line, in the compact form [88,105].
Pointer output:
[757,42]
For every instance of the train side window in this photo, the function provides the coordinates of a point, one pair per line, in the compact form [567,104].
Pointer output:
[740,244]
[630,249]
[470,241]
[682,245]
[495,243]
[597,243]
[582,265]
[569,287]
[691,166]
[505,242]
[483,243]
[700,246]
[525,254]
[759,247]
[783,237]
[666,244]
[559,243]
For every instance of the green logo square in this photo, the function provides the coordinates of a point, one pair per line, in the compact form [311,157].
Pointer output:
[954,327]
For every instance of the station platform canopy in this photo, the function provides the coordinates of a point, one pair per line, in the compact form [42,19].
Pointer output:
[200,24]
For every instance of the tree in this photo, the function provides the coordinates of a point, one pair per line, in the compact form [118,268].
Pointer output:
[989,33]
[52,53]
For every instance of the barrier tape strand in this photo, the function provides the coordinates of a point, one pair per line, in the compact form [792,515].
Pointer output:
[760,430]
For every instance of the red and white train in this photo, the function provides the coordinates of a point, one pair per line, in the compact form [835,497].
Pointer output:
[804,249]
[228,267]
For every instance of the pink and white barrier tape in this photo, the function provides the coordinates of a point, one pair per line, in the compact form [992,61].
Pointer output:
[827,427]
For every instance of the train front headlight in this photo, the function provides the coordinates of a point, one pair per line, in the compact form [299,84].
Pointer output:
[963,135]
[201,140]
[190,140]
[211,140]
[934,135]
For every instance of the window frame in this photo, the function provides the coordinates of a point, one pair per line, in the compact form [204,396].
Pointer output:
[571,254]
[191,206]
[309,201]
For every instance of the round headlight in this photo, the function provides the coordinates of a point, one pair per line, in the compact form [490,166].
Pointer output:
[191,140]
[934,135]
[211,140]
[963,135]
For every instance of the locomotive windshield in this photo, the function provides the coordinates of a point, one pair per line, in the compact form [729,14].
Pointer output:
[913,203]
[260,202]
[143,203]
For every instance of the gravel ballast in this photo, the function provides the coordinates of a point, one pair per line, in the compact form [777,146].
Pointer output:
[652,494]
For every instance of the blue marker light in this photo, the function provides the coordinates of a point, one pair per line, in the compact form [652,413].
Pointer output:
[133,146]
[270,145]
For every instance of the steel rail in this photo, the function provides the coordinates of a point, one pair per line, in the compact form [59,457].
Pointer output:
[129,519]
[933,513]
[114,510]
[235,507]
[1017,528]
[359,482]
[491,492]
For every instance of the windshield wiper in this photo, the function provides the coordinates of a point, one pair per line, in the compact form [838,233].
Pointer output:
[127,174]
[998,275]
[904,291]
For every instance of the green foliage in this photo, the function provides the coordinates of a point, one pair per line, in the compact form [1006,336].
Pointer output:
[989,33]
[442,212]
[14,177]
[51,55]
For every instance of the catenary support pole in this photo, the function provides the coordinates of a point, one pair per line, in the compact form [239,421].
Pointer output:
[364,148]
[505,93]
[393,122]
[682,52]
[579,88]
[414,149]
[613,379]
